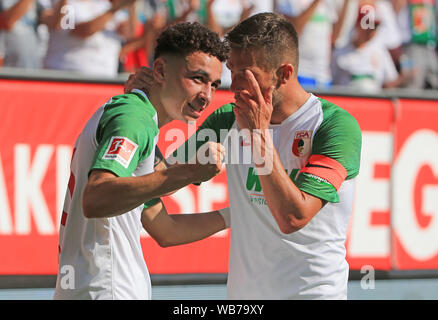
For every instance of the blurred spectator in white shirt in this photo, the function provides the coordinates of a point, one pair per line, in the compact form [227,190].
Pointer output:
[21,43]
[318,23]
[365,64]
[388,32]
[85,35]
[259,6]
[228,13]
[417,21]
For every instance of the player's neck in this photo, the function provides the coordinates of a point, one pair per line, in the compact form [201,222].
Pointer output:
[292,99]
[155,99]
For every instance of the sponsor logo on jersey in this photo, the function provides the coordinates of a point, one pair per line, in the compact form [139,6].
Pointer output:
[253,182]
[254,186]
[301,144]
[120,149]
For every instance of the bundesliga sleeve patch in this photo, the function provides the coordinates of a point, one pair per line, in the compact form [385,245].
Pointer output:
[120,149]
[327,169]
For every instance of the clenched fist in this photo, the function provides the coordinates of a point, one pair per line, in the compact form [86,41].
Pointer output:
[209,161]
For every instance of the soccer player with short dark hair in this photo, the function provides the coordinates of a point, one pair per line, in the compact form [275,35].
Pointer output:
[112,170]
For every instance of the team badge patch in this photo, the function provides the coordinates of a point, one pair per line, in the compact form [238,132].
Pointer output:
[301,144]
[120,149]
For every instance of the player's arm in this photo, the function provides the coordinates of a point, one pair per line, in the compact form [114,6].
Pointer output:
[161,164]
[337,27]
[52,16]
[10,16]
[175,229]
[107,195]
[294,205]
[125,141]
[291,207]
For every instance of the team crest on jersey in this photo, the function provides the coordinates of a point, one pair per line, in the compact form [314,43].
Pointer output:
[120,149]
[302,142]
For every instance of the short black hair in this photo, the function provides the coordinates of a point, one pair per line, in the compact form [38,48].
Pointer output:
[270,32]
[188,37]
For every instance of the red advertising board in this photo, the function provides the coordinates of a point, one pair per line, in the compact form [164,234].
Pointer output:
[393,224]
[368,241]
[40,123]
[415,186]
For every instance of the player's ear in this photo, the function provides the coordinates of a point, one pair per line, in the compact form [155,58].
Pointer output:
[285,73]
[159,70]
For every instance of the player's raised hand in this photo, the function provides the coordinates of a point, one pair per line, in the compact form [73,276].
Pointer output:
[209,160]
[253,108]
[142,79]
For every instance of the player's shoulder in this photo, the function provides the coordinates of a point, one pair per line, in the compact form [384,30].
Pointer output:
[222,118]
[339,137]
[135,101]
[331,109]
[337,117]
[133,107]
[226,110]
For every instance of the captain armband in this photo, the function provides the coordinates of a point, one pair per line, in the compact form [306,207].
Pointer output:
[326,168]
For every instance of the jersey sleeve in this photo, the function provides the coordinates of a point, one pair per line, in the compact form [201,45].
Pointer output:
[335,155]
[123,140]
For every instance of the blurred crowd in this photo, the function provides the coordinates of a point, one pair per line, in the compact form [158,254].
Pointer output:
[367,45]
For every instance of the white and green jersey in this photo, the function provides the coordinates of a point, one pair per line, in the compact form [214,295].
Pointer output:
[101,258]
[319,146]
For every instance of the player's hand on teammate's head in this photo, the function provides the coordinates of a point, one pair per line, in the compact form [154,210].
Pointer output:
[129,84]
[209,161]
[142,79]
